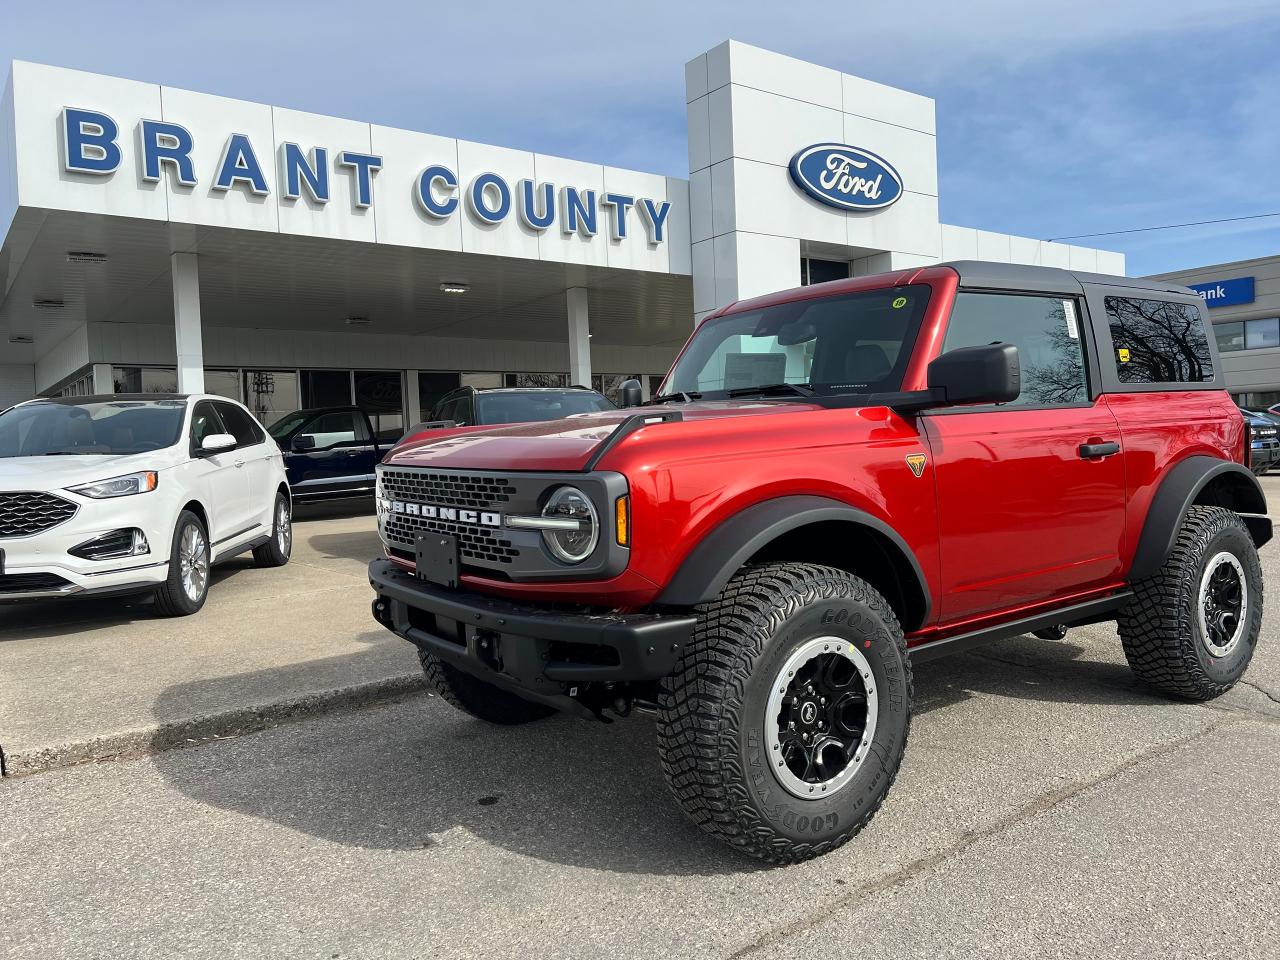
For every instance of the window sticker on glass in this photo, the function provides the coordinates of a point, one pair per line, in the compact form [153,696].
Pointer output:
[1069,308]
[1123,353]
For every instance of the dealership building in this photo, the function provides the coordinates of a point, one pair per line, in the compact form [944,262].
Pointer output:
[1243,301]
[155,238]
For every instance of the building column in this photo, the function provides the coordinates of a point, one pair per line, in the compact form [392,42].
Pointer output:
[186,322]
[579,337]
[411,398]
[103,383]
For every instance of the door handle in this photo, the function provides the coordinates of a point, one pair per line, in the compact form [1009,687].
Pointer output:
[1096,449]
[239,464]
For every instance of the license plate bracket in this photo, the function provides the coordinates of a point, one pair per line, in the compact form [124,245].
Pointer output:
[437,559]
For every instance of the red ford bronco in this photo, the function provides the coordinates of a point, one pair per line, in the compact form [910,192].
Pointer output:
[832,483]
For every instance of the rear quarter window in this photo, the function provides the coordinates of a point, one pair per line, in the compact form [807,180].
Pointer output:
[1158,341]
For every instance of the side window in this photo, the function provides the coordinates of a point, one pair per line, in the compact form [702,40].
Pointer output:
[205,422]
[1046,331]
[239,424]
[339,427]
[444,408]
[1157,341]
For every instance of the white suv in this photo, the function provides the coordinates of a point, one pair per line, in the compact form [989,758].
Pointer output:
[136,493]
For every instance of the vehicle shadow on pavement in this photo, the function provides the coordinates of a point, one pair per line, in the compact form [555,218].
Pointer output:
[564,790]
[1028,668]
[52,619]
[362,545]
[410,775]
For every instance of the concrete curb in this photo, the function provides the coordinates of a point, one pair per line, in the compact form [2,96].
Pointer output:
[143,741]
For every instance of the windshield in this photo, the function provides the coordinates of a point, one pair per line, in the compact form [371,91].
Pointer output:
[852,343]
[287,424]
[106,428]
[543,405]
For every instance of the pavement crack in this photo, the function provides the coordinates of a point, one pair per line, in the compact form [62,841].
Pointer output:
[1266,693]
[1028,811]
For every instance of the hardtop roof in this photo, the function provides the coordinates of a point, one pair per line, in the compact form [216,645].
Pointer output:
[973,274]
[1018,276]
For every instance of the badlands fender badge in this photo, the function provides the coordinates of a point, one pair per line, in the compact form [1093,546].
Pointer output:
[916,462]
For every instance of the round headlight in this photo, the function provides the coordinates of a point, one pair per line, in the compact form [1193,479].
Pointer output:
[573,542]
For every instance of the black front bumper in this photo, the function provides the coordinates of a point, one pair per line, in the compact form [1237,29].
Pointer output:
[543,653]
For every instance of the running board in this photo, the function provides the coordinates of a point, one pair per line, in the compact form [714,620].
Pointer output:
[245,547]
[1078,614]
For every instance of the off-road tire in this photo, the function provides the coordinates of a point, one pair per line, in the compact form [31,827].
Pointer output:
[712,709]
[276,551]
[1160,627]
[482,700]
[171,598]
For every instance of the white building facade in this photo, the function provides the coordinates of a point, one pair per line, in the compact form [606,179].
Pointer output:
[155,238]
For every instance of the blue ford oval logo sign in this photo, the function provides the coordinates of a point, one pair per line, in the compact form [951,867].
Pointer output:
[846,177]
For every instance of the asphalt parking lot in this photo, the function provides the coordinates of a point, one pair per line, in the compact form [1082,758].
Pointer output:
[1048,806]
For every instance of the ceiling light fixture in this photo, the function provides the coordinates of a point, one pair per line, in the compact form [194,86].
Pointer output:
[85,256]
[47,304]
[454,288]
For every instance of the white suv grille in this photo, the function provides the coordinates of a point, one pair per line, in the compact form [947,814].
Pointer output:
[24,514]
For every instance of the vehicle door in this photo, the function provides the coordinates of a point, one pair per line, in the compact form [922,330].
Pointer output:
[1030,493]
[333,455]
[258,452]
[218,477]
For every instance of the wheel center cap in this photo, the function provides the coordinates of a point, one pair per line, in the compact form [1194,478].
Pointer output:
[808,712]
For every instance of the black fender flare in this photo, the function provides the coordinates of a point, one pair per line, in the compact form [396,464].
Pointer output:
[723,551]
[1175,496]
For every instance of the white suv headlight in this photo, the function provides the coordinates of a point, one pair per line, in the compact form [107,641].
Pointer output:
[125,486]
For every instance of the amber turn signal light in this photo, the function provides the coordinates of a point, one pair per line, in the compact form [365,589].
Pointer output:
[622,520]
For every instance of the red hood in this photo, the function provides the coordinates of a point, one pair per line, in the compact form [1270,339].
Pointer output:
[555,444]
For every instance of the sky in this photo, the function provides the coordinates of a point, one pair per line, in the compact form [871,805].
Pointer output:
[1054,119]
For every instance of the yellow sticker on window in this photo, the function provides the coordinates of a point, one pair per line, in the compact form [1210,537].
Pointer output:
[899,303]
[1123,354]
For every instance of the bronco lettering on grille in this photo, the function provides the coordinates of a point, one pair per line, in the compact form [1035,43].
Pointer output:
[455,514]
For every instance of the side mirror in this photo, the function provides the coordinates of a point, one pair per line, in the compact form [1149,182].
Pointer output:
[303,441]
[630,394]
[985,374]
[217,442]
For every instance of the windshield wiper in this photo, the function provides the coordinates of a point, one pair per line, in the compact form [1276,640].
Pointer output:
[766,389]
[678,395]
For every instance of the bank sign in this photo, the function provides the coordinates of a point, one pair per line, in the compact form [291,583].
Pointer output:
[1225,293]
[845,177]
[92,144]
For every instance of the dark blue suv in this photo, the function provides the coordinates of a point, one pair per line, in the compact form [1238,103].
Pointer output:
[1264,440]
[329,452]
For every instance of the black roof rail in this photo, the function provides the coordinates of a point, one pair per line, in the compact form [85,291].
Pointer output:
[628,427]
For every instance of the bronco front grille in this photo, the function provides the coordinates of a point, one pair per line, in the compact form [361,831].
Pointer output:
[473,491]
[26,513]
[476,543]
